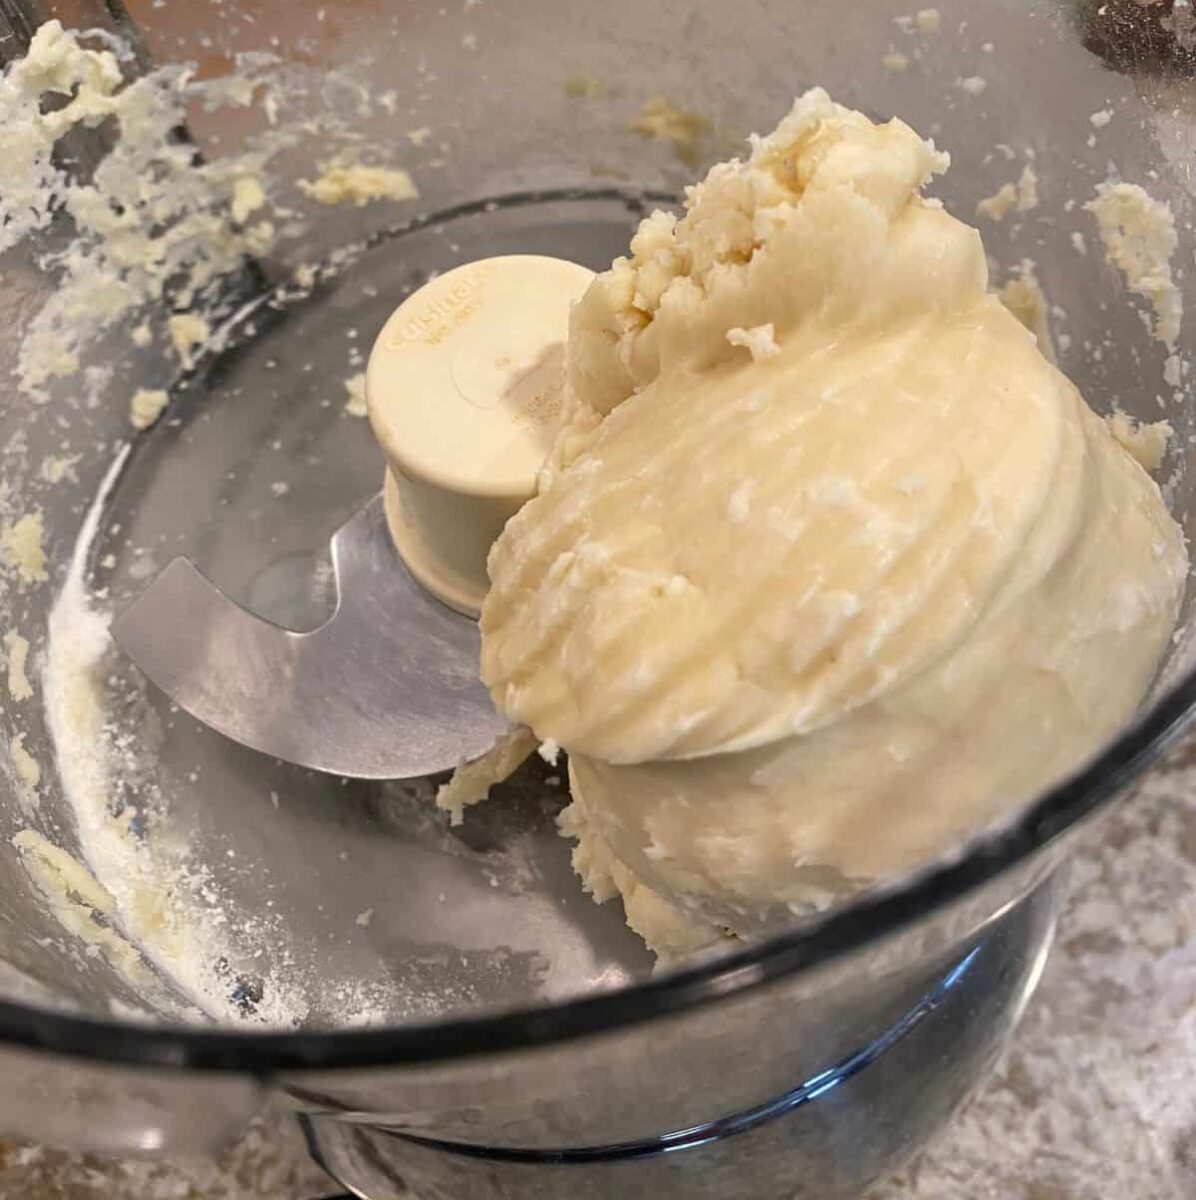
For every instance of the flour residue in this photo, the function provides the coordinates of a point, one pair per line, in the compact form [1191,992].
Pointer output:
[85,908]
[161,899]
[155,224]
[146,216]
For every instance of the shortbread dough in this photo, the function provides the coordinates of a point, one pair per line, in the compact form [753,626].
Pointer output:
[830,567]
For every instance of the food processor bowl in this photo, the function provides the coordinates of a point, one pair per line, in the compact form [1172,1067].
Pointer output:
[192,932]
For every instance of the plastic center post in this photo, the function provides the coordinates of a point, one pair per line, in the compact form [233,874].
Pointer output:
[464,391]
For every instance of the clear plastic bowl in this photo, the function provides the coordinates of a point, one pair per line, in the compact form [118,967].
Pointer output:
[446,1009]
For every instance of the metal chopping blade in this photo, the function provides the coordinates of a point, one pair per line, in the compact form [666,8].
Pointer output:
[387,688]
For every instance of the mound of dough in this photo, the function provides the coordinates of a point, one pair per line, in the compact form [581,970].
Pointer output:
[830,567]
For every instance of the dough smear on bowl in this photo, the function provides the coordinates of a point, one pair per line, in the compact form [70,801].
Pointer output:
[830,567]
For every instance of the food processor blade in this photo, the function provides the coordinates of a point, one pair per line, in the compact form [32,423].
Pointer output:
[387,688]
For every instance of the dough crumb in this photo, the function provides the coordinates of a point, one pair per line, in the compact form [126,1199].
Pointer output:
[279,489]
[997,206]
[584,87]
[974,85]
[355,406]
[1173,371]
[17,649]
[28,770]
[472,781]
[188,331]
[760,341]
[928,20]
[148,214]
[1027,189]
[359,185]
[248,197]
[549,751]
[1077,240]
[57,468]
[668,932]
[364,918]
[1138,232]
[146,406]
[22,549]
[682,129]
[142,335]
[1024,297]
[895,62]
[1101,119]
[1144,441]
[418,137]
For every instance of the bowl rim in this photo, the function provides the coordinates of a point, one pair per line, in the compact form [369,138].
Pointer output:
[867,919]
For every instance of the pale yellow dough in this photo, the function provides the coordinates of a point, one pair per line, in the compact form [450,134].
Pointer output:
[807,618]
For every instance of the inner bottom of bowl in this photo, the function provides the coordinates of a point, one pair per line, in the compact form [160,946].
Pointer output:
[288,897]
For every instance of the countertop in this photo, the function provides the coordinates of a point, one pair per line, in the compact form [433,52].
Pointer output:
[1094,1101]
